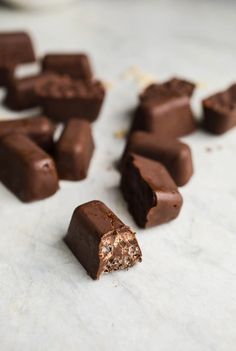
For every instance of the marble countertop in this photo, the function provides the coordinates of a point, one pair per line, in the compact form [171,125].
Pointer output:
[183,296]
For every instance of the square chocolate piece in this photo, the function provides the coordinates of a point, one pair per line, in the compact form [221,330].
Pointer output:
[100,241]
[172,153]
[150,192]
[165,109]
[77,66]
[26,169]
[220,111]
[74,150]
[63,98]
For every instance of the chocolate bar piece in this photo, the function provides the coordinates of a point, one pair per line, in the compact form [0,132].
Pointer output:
[220,111]
[172,153]
[26,169]
[15,48]
[165,109]
[40,129]
[74,150]
[21,92]
[75,65]
[63,98]
[100,241]
[150,192]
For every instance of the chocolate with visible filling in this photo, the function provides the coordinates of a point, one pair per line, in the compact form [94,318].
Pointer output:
[150,192]
[100,241]
[220,111]
[172,153]
[40,129]
[165,109]
[26,169]
[63,98]
[74,150]
[15,48]
[75,65]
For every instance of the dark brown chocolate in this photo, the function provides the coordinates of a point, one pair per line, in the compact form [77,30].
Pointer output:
[15,48]
[165,109]
[100,241]
[21,93]
[74,150]
[220,111]
[75,65]
[26,169]
[40,129]
[150,192]
[172,153]
[63,98]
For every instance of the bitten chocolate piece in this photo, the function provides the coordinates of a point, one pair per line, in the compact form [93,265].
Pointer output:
[21,92]
[15,48]
[100,241]
[74,150]
[40,129]
[26,169]
[173,154]
[220,111]
[165,109]
[63,98]
[75,65]
[150,192]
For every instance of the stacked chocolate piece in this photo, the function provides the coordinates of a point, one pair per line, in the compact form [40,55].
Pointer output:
[31,161]
[155,162]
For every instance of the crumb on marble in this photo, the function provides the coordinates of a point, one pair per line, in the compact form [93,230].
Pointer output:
[120,134]
[142,78]
[208,149]
[108,85]
[202,85]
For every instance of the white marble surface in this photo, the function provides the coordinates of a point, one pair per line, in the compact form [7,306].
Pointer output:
[183,296]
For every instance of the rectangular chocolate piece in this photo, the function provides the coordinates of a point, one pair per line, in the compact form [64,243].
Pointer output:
[150,192]
[165,109]
[15,48]
[220,111]
[172,153]
[63,98]
[21,93]
[26,169]
[100,241]
[75,65]
[74,150]
[40,129]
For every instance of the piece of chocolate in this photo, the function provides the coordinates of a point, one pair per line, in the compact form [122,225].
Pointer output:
[173,154]
[74,150]
[75,65]
[15,48]
[165,109]
[26,169]
[220,111]
[63,98]
[40,129]
[150,192]
[100,241]
[21,93]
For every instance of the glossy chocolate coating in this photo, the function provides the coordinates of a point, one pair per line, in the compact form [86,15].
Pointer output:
[173,154]
[40,129]
[75,65]
[21,92]
[165,109]
[63,98]
[100,241]
[15,48]
[26,169]
[150,192]
[74,150]
[220,111]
